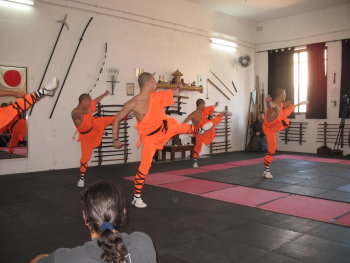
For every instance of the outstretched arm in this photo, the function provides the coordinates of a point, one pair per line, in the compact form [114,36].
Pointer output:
[216,104]
[99,98]
[128,107]
[305,102]
[188,118]
[178,89]
[17,94]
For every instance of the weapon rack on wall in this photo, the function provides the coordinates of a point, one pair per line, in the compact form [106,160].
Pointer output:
[106,151]
[222,142]
[177,106]
[294,133]
[328,133]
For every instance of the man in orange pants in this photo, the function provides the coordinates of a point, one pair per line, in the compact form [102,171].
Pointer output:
[154,127]
[199,118]
[18,130]
[90,129]
[24,101]
[276,119]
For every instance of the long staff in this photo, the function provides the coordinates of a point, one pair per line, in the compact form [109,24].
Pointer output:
[64,23]
[71,63]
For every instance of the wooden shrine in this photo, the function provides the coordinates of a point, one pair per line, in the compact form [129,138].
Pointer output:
[175,83]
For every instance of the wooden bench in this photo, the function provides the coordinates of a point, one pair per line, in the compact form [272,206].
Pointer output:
[177,148]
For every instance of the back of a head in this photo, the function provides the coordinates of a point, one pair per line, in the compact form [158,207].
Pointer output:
[143,78]
[279,93]
[199,102]
[103,204]
[83,97]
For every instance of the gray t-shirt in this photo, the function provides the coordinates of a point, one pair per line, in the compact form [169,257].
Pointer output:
[139,246]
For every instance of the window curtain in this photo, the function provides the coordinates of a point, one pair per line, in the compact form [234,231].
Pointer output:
[317,82]
[281,72]
[345,74]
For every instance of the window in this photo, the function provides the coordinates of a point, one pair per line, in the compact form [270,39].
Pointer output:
[301,77]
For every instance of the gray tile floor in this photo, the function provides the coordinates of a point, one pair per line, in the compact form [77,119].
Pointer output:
[324,180]
[40,212]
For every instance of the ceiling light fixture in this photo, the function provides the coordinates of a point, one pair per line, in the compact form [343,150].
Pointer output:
[221,42]
[24,2]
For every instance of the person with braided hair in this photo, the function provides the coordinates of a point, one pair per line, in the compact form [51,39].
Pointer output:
[24,101]
[104,212]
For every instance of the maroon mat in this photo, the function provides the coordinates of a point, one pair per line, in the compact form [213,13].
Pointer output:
[344,221]
[245,195]
[308,207]
[189,171]
[196,186]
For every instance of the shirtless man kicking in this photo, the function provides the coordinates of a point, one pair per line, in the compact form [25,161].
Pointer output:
[276,119]
[199,118]
[90,129]
[154,127]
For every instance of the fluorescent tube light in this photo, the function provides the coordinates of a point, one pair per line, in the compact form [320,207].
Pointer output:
[24,2]
[222,42]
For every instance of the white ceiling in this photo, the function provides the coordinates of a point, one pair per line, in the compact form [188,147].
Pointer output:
[261,10]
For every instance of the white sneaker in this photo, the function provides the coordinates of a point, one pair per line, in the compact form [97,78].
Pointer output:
[267,175]
[138,202]
[81,183]
[206,127]
[195,164]
[50,87]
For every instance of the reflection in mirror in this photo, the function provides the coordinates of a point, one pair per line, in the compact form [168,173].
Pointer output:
[13,136]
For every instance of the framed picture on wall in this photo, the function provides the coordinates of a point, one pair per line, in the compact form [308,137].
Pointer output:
[130,89]
[12,78]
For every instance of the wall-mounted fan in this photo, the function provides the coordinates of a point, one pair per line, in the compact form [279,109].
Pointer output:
[244,61]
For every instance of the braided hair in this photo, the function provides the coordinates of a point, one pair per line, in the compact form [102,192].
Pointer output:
[103,206]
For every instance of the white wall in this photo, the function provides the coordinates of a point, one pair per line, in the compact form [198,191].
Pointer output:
[318,26]
[175,34]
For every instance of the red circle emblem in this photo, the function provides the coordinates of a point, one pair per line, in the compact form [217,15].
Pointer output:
[12,78]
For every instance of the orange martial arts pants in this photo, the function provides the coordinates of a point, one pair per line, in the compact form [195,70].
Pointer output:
[18,132]
[206,138]
[272,128]
[152,143]
[21,105]
[92,140]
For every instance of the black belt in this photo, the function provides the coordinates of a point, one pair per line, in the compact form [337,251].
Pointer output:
[85,132]
[163,127]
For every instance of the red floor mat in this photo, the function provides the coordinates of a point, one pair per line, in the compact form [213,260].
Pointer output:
[245,195]
[189,171]
[345,221]
[308,207]
[196,186]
